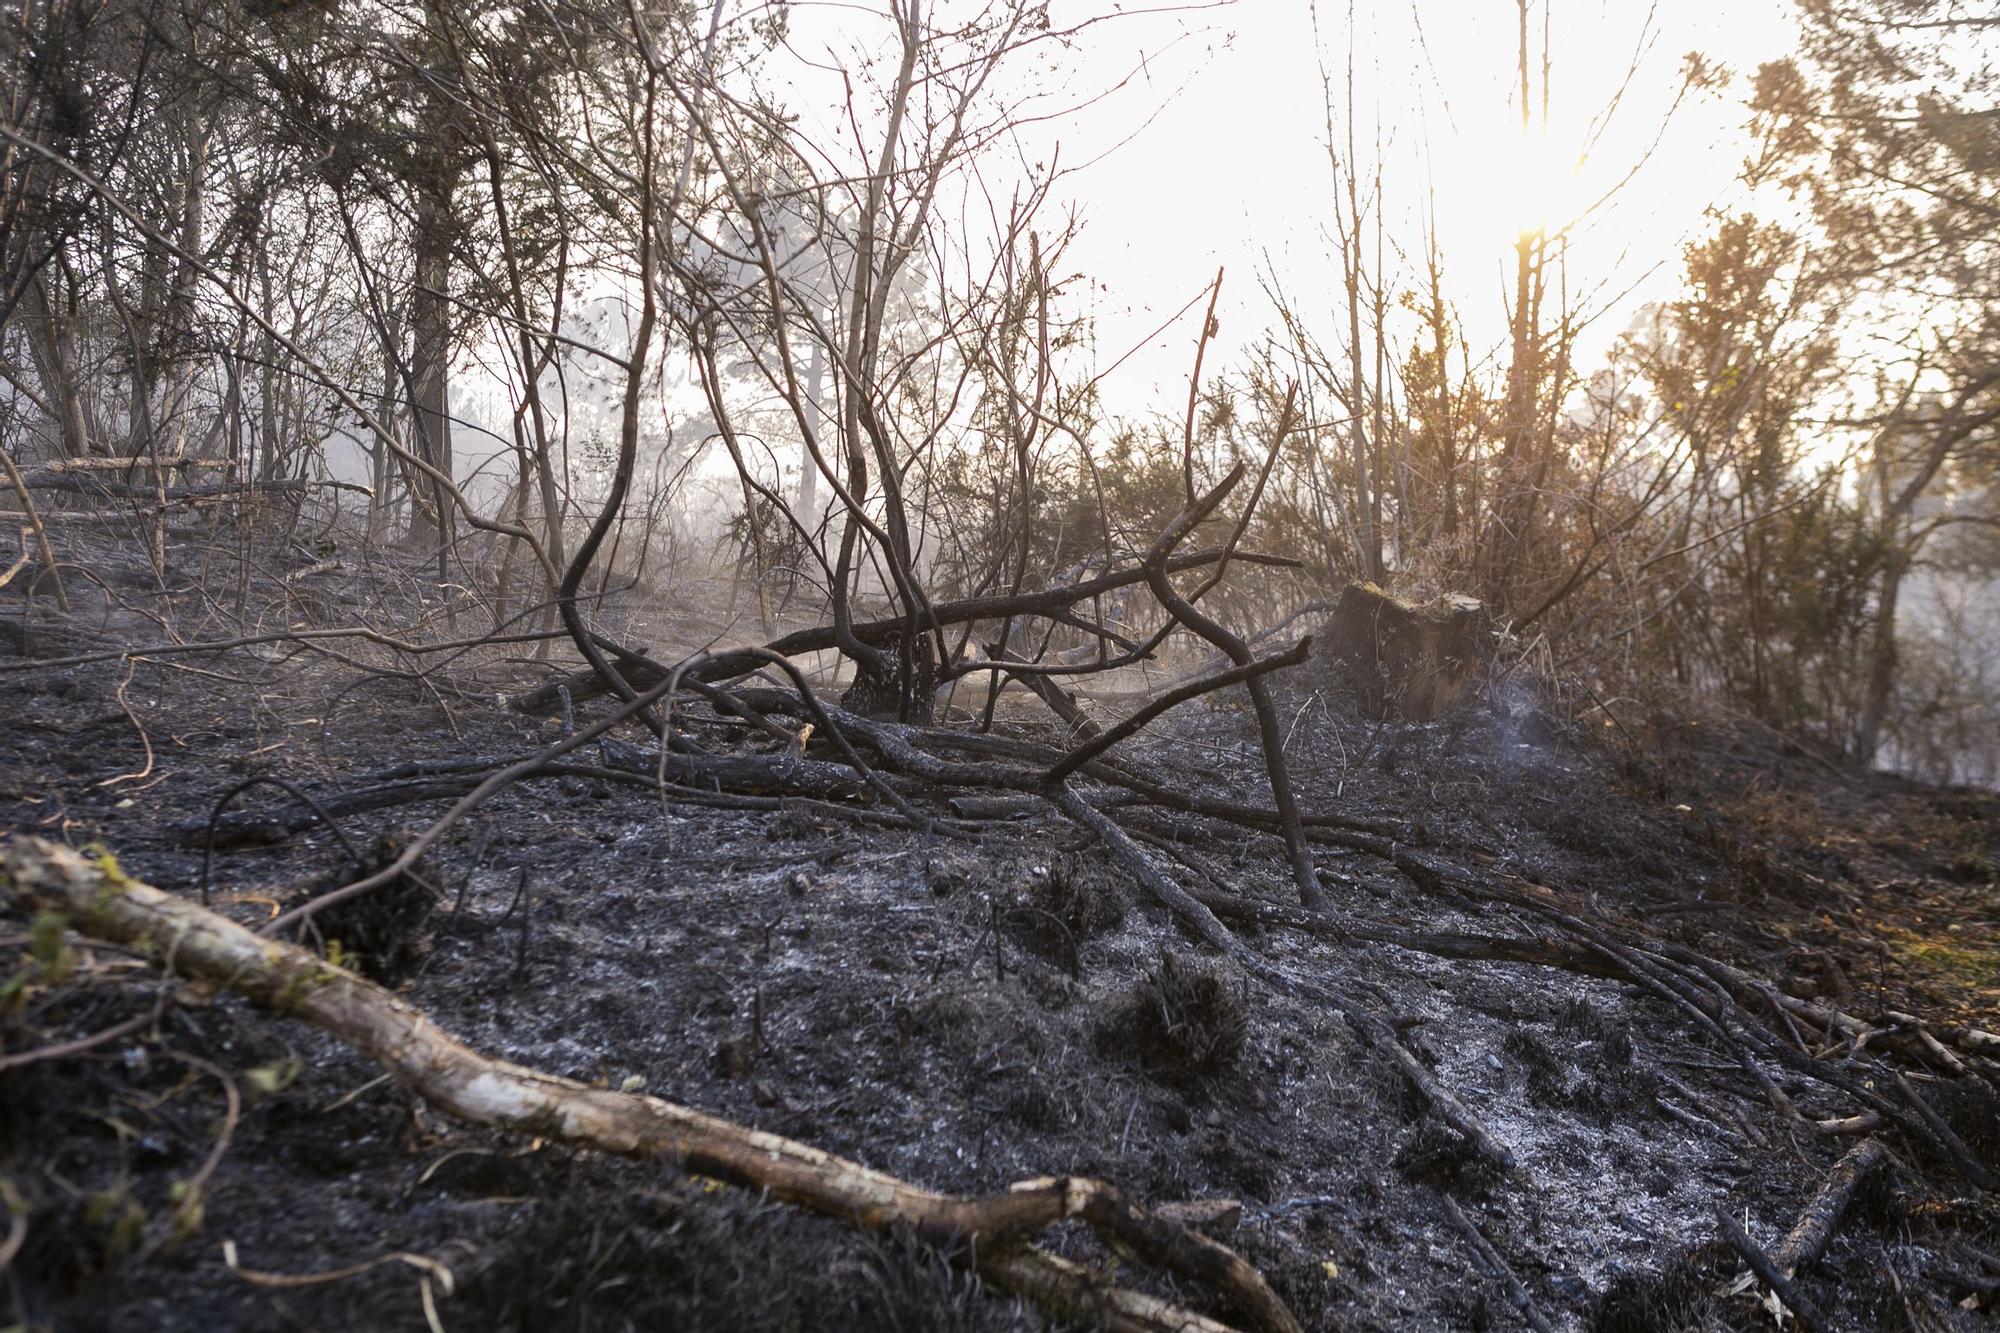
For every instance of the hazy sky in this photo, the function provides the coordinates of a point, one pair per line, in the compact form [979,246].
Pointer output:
[1207,148]
[1226,161]
[1234,171]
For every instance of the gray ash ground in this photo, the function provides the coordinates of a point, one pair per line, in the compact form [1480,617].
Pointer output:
[971,1013]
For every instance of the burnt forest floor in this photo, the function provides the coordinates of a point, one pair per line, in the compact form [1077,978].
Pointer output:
[970,1012]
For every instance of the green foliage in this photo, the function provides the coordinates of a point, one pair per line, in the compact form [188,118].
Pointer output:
[48,946]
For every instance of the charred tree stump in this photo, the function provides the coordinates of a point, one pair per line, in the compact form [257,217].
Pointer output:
[1406,660]
[880,684]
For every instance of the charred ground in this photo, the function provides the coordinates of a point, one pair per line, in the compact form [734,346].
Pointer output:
[969,1011]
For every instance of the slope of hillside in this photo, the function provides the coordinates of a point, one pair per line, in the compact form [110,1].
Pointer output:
[1614,944]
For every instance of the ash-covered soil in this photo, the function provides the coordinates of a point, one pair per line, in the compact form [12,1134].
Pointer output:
[970,1012]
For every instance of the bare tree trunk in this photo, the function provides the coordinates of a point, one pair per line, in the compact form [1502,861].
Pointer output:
[52,346]
[808,493]
[430,355]
[1882,663]
[1379,311]
[1511,500]
[1447,424]
[180,302]
[381,474]
[265,466]
[140,322]
[870,279]
[1367,498]
[1367,506]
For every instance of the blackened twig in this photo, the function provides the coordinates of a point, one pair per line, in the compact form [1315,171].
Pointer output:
[1499,1267]
[1808,1315]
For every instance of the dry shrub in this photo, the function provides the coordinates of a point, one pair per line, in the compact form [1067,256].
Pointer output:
[1184,1020]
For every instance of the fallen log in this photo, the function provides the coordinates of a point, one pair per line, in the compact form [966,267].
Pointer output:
[1458,945]
[1380,1034]
[1381,837]
[641,675]
[784,775]
[71,518]
[1053,696]
[991,1232]
[1808,1238]
[1945,1136]
[118,490]
[135,465]
[1498,1266]
[1149,876]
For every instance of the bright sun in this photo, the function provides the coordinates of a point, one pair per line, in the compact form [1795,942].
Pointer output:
[1544,182]
[1502,181]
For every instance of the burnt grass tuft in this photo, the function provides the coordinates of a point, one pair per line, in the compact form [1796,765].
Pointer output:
[1437,1155]
[1680,1298]
[1185,1020]
[382,933]
[1971,1106]
[614,1250]
[1062,904]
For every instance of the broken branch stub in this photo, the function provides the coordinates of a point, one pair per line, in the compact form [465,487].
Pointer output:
[100,900]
